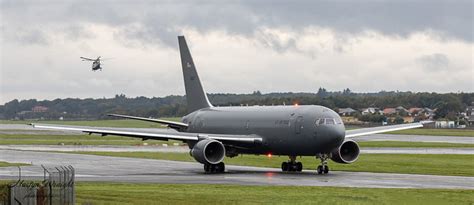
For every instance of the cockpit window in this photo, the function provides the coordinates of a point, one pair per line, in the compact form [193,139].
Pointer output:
[328,121]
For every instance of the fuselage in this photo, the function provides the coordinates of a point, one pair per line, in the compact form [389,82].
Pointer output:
[96,65]
[285,130]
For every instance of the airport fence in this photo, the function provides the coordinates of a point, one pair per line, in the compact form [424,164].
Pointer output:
[57,187]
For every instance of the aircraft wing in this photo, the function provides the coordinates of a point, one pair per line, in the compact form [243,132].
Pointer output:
[382,129]
[175,125]
[158,134]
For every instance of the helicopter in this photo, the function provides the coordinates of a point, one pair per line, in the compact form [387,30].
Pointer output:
[95,63]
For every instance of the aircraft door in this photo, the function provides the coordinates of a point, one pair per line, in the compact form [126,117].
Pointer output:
[299,124]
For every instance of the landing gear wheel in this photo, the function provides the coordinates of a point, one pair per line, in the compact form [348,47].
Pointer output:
[284,166]
[323,168]
[292,165]
[299,166]
[221,167]
[320,169]
[326,169]
[214,168]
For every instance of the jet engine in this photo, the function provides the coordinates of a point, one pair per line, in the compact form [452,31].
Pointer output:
[347,153]
[208,151]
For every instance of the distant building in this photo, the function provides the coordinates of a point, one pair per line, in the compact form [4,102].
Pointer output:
[401,111]
[346,111]
[470,115]
[39,109]
[408,119]
[445,124]
[389,111]
[429,113]
[24,112]
[371,110]
[415,111]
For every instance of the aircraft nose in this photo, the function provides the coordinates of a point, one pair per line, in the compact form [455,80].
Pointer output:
[338,135]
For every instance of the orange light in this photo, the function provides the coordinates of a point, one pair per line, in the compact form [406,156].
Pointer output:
[296,104]
[269,155]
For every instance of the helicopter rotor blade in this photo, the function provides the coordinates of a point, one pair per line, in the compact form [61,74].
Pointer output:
[86,59]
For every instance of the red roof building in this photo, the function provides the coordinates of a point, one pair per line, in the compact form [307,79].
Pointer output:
[39,109]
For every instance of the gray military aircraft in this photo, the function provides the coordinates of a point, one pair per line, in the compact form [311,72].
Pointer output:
[213,133]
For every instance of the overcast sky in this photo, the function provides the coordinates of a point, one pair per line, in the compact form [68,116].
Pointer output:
[238,46]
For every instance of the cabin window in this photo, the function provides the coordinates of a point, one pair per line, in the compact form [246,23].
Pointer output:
[338,121]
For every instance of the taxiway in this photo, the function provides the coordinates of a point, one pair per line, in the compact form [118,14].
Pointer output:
[118,169]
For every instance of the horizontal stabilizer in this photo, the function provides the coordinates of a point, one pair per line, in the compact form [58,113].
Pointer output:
[171,124]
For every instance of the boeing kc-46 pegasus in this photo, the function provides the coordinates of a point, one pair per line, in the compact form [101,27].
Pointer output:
[213,133]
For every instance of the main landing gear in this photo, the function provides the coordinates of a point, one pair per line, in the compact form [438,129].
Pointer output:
[292,165]
[323,168]
[214,168]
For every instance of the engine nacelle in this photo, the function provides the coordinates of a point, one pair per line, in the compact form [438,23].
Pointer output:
[347,153]
[208,151]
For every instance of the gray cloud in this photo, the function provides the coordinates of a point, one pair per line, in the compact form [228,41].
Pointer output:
[276,45]
[434,62]
[160,21]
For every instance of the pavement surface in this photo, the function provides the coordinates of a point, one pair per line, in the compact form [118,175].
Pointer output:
[119,169]
[185,149]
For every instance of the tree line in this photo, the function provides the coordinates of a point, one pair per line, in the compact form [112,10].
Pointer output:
[447,105]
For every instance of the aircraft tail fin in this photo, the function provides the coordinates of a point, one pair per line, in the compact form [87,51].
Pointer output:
[195,95]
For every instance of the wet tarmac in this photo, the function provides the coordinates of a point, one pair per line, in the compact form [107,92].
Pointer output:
[185,149]
[118,169]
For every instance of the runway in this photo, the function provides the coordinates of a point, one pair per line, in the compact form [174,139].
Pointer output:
[185,149]
[117,169]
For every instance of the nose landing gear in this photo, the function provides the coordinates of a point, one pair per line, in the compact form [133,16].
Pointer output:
[323,168]
[292,165]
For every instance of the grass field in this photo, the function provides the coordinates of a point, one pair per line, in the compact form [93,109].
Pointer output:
[453,165]
[118,193]
[144,193]
[413,144]
[6,164]
[25,139]
[22,139]
[436,132]
[97,123]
